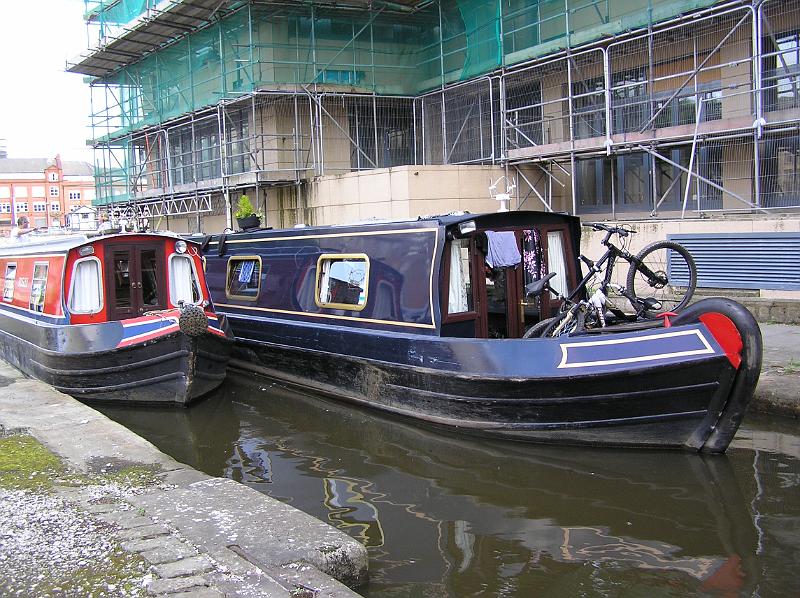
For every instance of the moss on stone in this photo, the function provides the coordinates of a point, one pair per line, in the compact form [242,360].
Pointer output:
[119,574]
[25,464]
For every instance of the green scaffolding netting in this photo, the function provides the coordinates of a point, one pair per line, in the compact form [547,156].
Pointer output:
[375,50]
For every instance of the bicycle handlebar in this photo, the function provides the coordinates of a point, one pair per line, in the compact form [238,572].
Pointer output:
[622,232]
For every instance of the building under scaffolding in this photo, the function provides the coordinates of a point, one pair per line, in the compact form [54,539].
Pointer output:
[605,107]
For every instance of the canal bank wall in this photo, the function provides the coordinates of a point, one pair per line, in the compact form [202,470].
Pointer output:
[202,536]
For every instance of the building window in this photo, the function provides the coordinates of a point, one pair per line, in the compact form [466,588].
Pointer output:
[39,207]
[5,208]
[780,171]
[781,71]
[52,177]
[37,191]
[55,207]
[53,191]
[5,192]
[38,287]
[20,192]
[244,278]
[21,206]
[8,282]
[342,281]
[74,194]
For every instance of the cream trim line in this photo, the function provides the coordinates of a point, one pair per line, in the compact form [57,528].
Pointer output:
[329,316]
[330,235]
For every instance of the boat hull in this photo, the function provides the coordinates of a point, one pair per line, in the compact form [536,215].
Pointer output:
[92,364]
[518,389]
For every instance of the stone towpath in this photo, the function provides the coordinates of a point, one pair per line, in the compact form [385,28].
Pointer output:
[198,536]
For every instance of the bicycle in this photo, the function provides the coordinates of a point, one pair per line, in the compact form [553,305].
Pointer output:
[648,286]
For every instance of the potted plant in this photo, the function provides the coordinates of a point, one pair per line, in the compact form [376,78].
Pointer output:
[246,216]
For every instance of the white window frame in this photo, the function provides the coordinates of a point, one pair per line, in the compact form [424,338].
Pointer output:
[31,305]
[72,285]
[55,206]
[6,280]
[40,207]
[21,206]
[5,208]
[172,256]
[53,191]
[53,177]
[75,195]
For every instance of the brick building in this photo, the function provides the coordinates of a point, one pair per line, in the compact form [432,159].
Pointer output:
[44,190]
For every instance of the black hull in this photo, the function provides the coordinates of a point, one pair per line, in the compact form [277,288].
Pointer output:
[175,369]
[645,411]
[521,389]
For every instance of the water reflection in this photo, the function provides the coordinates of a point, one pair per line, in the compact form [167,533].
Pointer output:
[444,515]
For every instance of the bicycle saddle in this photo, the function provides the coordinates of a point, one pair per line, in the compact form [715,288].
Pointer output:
[533,289]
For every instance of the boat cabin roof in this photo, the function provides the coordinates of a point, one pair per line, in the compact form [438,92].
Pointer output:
[484,221]
[34,243]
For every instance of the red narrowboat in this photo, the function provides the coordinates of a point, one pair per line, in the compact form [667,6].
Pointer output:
[119,317]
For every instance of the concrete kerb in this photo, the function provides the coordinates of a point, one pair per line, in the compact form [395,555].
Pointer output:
[255,545]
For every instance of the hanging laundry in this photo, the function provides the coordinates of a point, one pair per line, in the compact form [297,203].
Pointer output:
[503,251]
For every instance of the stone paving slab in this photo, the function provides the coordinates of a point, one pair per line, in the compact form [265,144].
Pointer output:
[189,566]
[188,558]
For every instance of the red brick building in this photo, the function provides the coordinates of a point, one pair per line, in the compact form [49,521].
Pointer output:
[44,190]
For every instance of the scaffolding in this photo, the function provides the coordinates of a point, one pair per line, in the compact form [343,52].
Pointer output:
[597,106]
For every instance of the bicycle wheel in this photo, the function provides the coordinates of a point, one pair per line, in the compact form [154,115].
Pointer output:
[653,273]
[552,327]
[537,330]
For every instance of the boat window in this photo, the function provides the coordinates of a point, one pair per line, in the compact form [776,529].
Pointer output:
[244,277]
[183,285]
[38,287]
[342,281]
[459,292]
[86,296]
[557,261]
[8,283]
[122,279]
[149,278]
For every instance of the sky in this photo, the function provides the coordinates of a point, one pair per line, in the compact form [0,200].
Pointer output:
[44,110]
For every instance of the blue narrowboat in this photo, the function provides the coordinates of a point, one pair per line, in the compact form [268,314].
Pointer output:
[425,319]
[117,317]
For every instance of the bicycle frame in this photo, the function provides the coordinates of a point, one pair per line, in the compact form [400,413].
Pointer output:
[609,259]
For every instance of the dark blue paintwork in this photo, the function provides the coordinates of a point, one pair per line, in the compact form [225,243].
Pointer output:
[658,387]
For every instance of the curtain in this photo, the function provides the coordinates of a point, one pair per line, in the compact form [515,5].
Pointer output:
[181,278]
[556,260]
[457,295]
[86,294]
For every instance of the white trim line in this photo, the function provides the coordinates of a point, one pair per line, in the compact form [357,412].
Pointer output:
[695,332]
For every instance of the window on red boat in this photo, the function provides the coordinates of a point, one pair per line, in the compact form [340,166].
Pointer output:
[342,281]
[244,277]
[38,286]
[86,288]
[8,283]
[183,285]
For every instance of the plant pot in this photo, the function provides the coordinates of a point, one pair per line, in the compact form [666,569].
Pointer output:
[249,222]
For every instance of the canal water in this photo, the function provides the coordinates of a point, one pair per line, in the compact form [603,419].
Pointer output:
[447,515]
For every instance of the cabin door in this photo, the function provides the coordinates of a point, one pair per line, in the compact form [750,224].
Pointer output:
[136,280]
[541,250]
